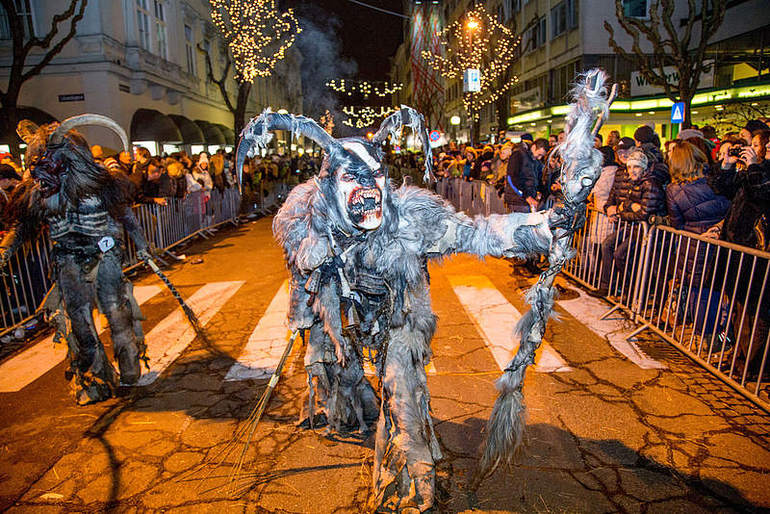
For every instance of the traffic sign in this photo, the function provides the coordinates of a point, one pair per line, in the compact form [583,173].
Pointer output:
[677,112]
[471,81]
[434,136]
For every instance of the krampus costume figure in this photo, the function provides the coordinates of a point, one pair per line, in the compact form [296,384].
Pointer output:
[357,250]
[86,209]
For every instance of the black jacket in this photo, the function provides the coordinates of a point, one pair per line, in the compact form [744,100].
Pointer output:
[647,191]
[524,172]
[749,192]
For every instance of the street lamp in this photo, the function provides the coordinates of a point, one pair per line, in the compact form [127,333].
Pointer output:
[472,25]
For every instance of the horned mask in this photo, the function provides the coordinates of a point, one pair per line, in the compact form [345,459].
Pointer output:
[354,173]
[52,147]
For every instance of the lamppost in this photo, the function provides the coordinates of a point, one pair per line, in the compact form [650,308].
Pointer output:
[471,26]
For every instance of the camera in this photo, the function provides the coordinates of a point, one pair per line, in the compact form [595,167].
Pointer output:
[735,151]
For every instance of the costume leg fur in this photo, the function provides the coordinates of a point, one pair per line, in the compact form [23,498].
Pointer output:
[94,377]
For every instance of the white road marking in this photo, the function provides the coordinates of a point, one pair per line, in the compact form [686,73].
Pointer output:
[588,310]
[495,319]
[21,370]
[171,336]
[266,343]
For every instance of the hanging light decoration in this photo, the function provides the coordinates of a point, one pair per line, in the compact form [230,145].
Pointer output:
[363,87]
[477,41]
[363,117]
[256,32]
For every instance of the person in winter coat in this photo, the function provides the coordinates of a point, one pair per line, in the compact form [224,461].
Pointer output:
[599,227]
[692,204]
[746,224]
[201,172]
[695,207]
[637,195]
[523,176]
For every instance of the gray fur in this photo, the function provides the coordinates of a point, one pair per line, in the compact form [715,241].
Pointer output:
[415,221]
[581,168]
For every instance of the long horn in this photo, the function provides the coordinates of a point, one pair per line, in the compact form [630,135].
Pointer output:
[89,119]
[257,134]
[408,117]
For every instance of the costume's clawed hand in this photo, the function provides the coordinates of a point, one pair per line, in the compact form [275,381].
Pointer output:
[143,255]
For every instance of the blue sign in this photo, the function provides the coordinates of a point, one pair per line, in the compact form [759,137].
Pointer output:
[434,136]
[677,112]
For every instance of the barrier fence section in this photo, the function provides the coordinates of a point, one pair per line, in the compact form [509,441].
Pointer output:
[706,297]
[25,280]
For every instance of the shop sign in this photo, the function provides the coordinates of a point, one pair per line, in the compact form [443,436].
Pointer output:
[77,97]
[640,86]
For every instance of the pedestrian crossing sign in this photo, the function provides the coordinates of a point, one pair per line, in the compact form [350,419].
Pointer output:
[677,112]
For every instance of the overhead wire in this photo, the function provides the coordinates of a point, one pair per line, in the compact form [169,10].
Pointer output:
[386,11]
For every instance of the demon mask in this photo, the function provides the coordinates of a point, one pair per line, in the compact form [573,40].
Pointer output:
[354,172]
[52,148]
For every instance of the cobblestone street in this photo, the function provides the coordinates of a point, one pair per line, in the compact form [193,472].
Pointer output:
[638,430]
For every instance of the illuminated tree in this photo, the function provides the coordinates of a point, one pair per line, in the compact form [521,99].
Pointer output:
[673,43]
[477,41]
[258,36]
[26,45]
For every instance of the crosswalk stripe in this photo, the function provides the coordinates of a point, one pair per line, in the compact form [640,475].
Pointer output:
[268,340]
[589,310]
[168,339]
[495,318]
[266,343]
[21,370]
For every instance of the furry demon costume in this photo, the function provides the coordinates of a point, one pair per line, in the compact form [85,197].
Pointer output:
[357,250]
[86,209]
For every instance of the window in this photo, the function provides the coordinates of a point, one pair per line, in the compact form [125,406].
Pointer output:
[143,24]
[572,14]
[207,50]
[558,19]
[24,12]
[635,8]
[537,35]
[160,28]
[189,49]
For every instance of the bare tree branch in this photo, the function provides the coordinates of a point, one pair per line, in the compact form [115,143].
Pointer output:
[220,82]
[46,41]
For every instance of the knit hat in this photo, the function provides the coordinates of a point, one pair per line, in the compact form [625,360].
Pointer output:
[626,143]
[526,136]
[637,157]
[645,134]
[690,133]
[203,157]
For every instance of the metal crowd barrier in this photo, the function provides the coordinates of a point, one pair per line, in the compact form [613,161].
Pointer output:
[706,297]
[25,281]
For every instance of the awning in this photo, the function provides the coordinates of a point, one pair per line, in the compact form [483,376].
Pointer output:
[227,132]
[151,125]
[211,133]
[23,113]
[191,133]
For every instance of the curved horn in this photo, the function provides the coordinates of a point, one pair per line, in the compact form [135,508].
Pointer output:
[257,134]
[408,117]
[89,119]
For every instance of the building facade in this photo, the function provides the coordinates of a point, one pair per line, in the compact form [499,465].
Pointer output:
[561,38]
[145,64]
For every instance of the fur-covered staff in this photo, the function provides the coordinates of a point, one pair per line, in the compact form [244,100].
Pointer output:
[581,169]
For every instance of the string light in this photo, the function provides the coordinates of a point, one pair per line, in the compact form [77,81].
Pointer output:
[363,87]
[363,117]
[477,41]
[257,34]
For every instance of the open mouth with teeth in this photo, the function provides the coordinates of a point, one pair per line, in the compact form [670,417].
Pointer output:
[48,185]
[365,206]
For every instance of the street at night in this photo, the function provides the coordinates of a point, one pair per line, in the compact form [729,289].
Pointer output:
[611,426]
[384,256]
